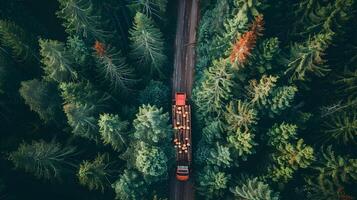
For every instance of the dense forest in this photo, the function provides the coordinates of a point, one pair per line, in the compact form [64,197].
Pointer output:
[85,96]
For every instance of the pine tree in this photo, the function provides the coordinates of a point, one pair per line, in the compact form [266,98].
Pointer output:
[113,131]
[212,183]
[112,66]
[348,84]
[280,99]
[78,49]
[259,91]
[281,134]
[155,8]
[305,58]
[151,161]
[22,44]
[130,186]
[152,125]
[219,156]
[240,116]
[326,190]
[336,168]
[253,189]
[265,55]
[213,92]
[58,64]
[212,132]
[290,158]
[82,119]
[45,160]
[242,143]
[147,44]
[43,98]
[341,128]
[80,19]
[95,174]
[156,93]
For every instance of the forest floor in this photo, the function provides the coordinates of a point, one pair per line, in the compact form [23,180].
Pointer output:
[184,63]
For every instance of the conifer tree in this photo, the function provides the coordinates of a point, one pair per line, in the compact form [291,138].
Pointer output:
[113,131]
[151,161]
[212,183]
[150,7]
[82,119]
[214,91]
[348,84]
[43,98]
[240,116]
[280,99]
[219,156]
[242,143]
[265,55]
[45,160]
[112,66]
[281,134]
[253,189]
[156,93]
[152,125]
[212,132]
[147,44]
[22,44]
[58,64]
[341,128]
[95,174]
[259,91]
[80,19]
[78,49]
[130,185]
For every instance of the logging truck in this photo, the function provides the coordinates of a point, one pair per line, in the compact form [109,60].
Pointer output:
[181,119]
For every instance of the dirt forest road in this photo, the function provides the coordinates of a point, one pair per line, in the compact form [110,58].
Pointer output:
[184,62]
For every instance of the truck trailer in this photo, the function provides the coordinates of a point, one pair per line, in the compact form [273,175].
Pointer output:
[181,120]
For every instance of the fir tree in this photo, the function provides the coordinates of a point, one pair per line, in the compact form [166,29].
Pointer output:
[240,116]
[130,185]
[280,99]
[348,84]
[281,134]
[94,174]
[78,49]
[58,64]
[147,44]
[150,7]
[242,143]
[212,183]
[80,19]
[43,98]
[253,189]
[341,128]
[212,132]
[45,160]
[214,91]
[219,156]
[112,67]
[82,119]
[152,125]
[259,91]
[22,44]
[156,93]
[265,55]
[113,131]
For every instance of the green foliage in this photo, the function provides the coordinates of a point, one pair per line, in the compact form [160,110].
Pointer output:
[80,19]
[212,183]
[335,168]
[78,49]
[219,156]
[253,189]
[341,128]
[242,143]
[149,7]
[212,93]
[290,158]
[265,55]
[240,116]
[156,93]
[94,174]
[323,191]
[83,121]
[259,91]
[280,99]
[305,58]
[348,82]
[113,68]
[82,92]
[45,160]
[152,125]
[281,134]
[113,131]
[151,161]
[147,44]
[58,63]
[130,186]
[22,44]
[43,98]
[212,132]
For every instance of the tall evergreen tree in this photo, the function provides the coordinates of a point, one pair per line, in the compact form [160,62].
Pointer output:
[212,183]
[45,160]
[253,189]
[130,185]
[147,44]
[150,7]
[341,128]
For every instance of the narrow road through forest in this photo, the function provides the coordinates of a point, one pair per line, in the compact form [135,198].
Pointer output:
[184,63]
